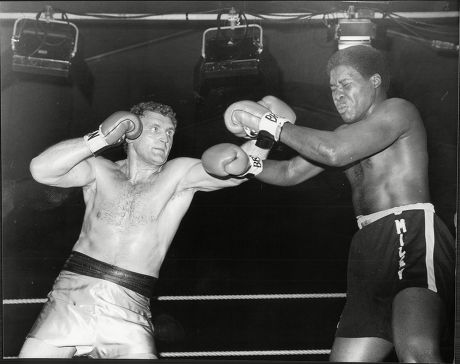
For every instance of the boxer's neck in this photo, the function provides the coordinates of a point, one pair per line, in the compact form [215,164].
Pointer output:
[138,172]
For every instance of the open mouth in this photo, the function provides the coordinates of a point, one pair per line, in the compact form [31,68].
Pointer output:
[341,108]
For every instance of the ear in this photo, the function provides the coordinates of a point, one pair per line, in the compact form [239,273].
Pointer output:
[376,80]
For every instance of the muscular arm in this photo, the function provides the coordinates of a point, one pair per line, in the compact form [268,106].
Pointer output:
[352,142]
[288,172]
[65,164]
[197,178]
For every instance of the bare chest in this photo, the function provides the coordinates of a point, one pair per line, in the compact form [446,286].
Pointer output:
[124,204]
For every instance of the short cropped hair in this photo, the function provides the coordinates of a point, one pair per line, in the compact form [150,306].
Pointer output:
[364,59]
[153,106]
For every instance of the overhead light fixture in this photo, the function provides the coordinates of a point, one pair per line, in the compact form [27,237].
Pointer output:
[230,51]
[44,45]
[350,32]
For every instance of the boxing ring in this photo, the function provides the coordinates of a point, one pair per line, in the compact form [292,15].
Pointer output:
[215,352]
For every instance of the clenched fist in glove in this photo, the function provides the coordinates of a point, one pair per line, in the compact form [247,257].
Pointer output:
[114,130]
[263,120]
[278,107]
[227,159]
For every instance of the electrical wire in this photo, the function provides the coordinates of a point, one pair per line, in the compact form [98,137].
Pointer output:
[127,17]
[403,20]
[414,23]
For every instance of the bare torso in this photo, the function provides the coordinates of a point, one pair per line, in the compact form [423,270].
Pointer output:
[392,177]
[131,225]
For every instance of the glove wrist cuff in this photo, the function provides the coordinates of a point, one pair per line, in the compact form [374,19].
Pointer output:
[95,141]
[255,167]
[272,124]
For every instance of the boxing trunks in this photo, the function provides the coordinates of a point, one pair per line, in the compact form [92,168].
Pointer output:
[406,246]
[102,310]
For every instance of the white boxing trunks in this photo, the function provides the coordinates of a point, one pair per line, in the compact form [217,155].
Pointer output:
[101,319]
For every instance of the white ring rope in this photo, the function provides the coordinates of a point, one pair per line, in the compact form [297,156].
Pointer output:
[208,297]
[244,353]
[24,300]
[252,297]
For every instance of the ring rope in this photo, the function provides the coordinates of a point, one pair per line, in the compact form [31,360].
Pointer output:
[244,353]
[207,297]
[24,300]
[252,297]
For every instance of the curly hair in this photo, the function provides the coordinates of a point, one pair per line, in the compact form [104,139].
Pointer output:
[162,109]
[364,59]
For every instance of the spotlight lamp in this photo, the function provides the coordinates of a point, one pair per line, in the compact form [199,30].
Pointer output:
[232,49]
[42,45]
[350,32]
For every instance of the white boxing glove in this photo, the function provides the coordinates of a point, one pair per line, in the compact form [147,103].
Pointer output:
[263,119]
[242,118]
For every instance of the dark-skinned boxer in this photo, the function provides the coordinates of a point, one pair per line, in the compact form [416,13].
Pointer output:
[401,261]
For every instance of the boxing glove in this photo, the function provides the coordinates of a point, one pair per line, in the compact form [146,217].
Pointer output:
[227,159]
[242,118]
[278,107]
[248,119]
[265,137]
[114,130]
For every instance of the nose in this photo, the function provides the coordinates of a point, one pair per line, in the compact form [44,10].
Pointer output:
[163,137]
[337,95]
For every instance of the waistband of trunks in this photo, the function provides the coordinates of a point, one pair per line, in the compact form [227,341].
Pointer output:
[364,220]
[85,265]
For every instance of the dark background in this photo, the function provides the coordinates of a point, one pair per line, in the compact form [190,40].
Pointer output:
[253,239]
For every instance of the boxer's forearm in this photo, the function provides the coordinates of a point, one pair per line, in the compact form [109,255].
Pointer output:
[275,173]
[59,159]
[288,172]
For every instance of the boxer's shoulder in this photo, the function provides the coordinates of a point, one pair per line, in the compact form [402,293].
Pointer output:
[180,164]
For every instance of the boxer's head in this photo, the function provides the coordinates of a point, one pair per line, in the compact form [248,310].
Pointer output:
[359,79]
[159,124]
[364,59]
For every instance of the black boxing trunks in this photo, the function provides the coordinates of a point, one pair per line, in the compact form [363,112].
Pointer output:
[101,310]
[398,248]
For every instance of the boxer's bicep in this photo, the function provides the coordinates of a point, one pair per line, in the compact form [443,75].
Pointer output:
[65,164]
[79,175]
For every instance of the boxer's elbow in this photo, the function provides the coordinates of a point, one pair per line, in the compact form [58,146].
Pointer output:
[38,170]
[334,155]
[327,154]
